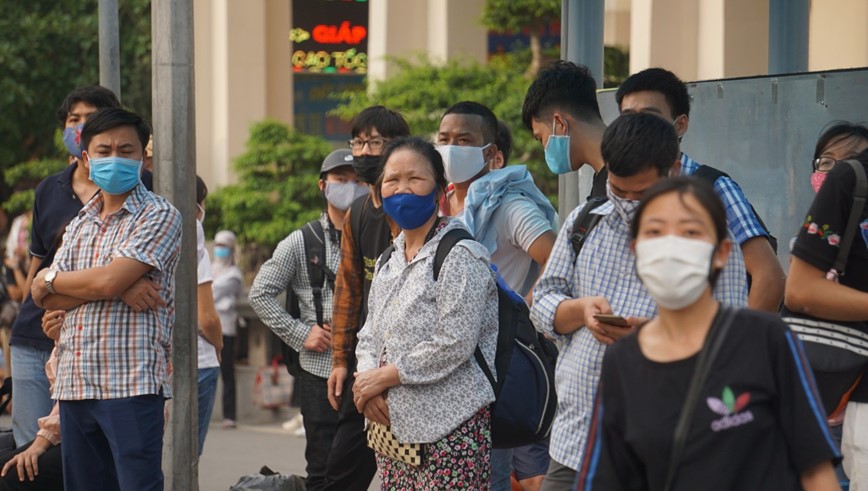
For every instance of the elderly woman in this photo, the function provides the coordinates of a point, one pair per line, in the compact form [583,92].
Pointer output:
[416,368]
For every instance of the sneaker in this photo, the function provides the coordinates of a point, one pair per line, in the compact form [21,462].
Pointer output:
[295,423]
[299,432]
[228,424]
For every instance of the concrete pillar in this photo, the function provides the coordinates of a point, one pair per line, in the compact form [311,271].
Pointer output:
[664,33]
[617,23]
[395,28]
[455,30]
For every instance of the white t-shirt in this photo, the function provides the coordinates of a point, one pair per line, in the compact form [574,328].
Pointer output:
[519,222]
[206,351]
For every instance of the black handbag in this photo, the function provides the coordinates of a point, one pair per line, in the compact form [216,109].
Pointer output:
[837,351]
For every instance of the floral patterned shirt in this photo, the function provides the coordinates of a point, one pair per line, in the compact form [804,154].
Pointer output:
[429,331]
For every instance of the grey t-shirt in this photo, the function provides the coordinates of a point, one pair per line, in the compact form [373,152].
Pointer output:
[519,222]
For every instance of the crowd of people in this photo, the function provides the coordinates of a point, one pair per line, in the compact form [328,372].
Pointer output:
[663,292]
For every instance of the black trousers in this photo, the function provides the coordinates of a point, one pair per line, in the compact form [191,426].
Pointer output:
[227,372]
[320,421]
[50,476]
[351,464]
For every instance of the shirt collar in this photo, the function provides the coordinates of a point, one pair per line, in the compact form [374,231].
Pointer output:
[131,204]
[64,178]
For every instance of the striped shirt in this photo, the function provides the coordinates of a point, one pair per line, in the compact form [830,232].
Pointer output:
[605,267]
[740,217]
[107,350]
[288,268]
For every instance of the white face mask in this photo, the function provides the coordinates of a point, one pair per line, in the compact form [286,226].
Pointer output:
[342,194]
[462,163]
[675,270]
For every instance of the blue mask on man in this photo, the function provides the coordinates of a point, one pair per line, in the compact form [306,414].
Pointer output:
[115,175]
[410,211]
[557,152]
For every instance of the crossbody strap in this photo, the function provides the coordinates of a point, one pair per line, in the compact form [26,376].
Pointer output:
[713,341]
[860,189]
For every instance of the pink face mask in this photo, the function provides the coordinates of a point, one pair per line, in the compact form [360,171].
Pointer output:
[817,179]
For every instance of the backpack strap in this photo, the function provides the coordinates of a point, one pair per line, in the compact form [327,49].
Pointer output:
[711,175]
[860,190]
[314,249]
[585,222]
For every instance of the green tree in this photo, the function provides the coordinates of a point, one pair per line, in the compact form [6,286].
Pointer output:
[47,48]
[519,15]
[422,90]
[277,187]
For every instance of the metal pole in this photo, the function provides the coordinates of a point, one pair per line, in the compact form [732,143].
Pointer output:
[175,166]
[109,47]
[789,21]
[583,37]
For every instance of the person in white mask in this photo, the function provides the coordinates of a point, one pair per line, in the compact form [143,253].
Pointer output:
[639,150]
[505,211]
[756,421]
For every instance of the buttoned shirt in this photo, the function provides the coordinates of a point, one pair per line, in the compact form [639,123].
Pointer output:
[605,267]
[429,331]
[740,217]
[106,349]
[288,268]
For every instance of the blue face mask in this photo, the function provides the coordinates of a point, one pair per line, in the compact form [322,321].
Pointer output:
[558,152]
[222,252]
[410,211]
[72,140]
[115,175]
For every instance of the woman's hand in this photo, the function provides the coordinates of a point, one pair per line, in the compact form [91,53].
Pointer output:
[52,323]
[26,461]
[373,383]
[377,410]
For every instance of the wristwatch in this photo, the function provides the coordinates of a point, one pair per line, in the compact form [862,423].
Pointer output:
[49,280]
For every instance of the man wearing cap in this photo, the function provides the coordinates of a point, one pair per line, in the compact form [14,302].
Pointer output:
[290,267]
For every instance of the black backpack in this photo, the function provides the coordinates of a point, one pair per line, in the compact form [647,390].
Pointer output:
[524,391]
[585,221]
[318,273]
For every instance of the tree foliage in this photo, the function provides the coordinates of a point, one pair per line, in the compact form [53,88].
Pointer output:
[277,186]
[47,48]
[516,15]
[422,90]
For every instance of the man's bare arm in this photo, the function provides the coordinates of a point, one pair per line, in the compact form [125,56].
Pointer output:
[99,283]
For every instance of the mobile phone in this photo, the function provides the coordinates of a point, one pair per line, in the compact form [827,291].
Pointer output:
[613,320]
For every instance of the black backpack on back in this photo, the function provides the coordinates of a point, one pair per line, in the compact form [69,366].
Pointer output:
[524,391]
[585,221]
[318,273]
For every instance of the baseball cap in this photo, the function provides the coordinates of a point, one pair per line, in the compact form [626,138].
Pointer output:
[338,158]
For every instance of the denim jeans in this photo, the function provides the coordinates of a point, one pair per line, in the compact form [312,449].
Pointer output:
[32,398]
[501,469]
[207,381]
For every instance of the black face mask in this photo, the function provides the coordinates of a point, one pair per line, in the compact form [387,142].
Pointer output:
[368,167]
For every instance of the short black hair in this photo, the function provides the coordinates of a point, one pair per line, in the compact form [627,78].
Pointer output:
[504,140]
[389,123]
[110,118]
[635,142]
[658,80]
[700,189]
[94,95]
[562,85]
[837,131]
[489,120]
[423,148]
[201,190]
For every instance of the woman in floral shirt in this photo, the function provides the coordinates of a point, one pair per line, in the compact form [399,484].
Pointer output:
[416,367]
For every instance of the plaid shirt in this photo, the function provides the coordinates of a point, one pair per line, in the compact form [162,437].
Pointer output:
[107,350]
[605,267]
[288,268]
[741,220]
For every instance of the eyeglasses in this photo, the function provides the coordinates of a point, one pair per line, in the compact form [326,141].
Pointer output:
[374,144]
[824,164]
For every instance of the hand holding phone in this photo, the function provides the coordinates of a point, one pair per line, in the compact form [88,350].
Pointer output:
[612,320]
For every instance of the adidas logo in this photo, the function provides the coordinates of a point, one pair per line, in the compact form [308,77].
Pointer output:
[731,408]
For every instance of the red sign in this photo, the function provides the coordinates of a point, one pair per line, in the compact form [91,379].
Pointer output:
[343,34]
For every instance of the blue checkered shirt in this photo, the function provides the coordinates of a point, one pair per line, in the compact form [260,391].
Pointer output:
[605,267]
[288,268]
[742,221]
[107,350]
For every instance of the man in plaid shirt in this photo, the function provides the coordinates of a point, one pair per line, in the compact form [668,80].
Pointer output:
[115,274]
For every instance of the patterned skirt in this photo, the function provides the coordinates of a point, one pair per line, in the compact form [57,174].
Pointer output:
[460,460]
